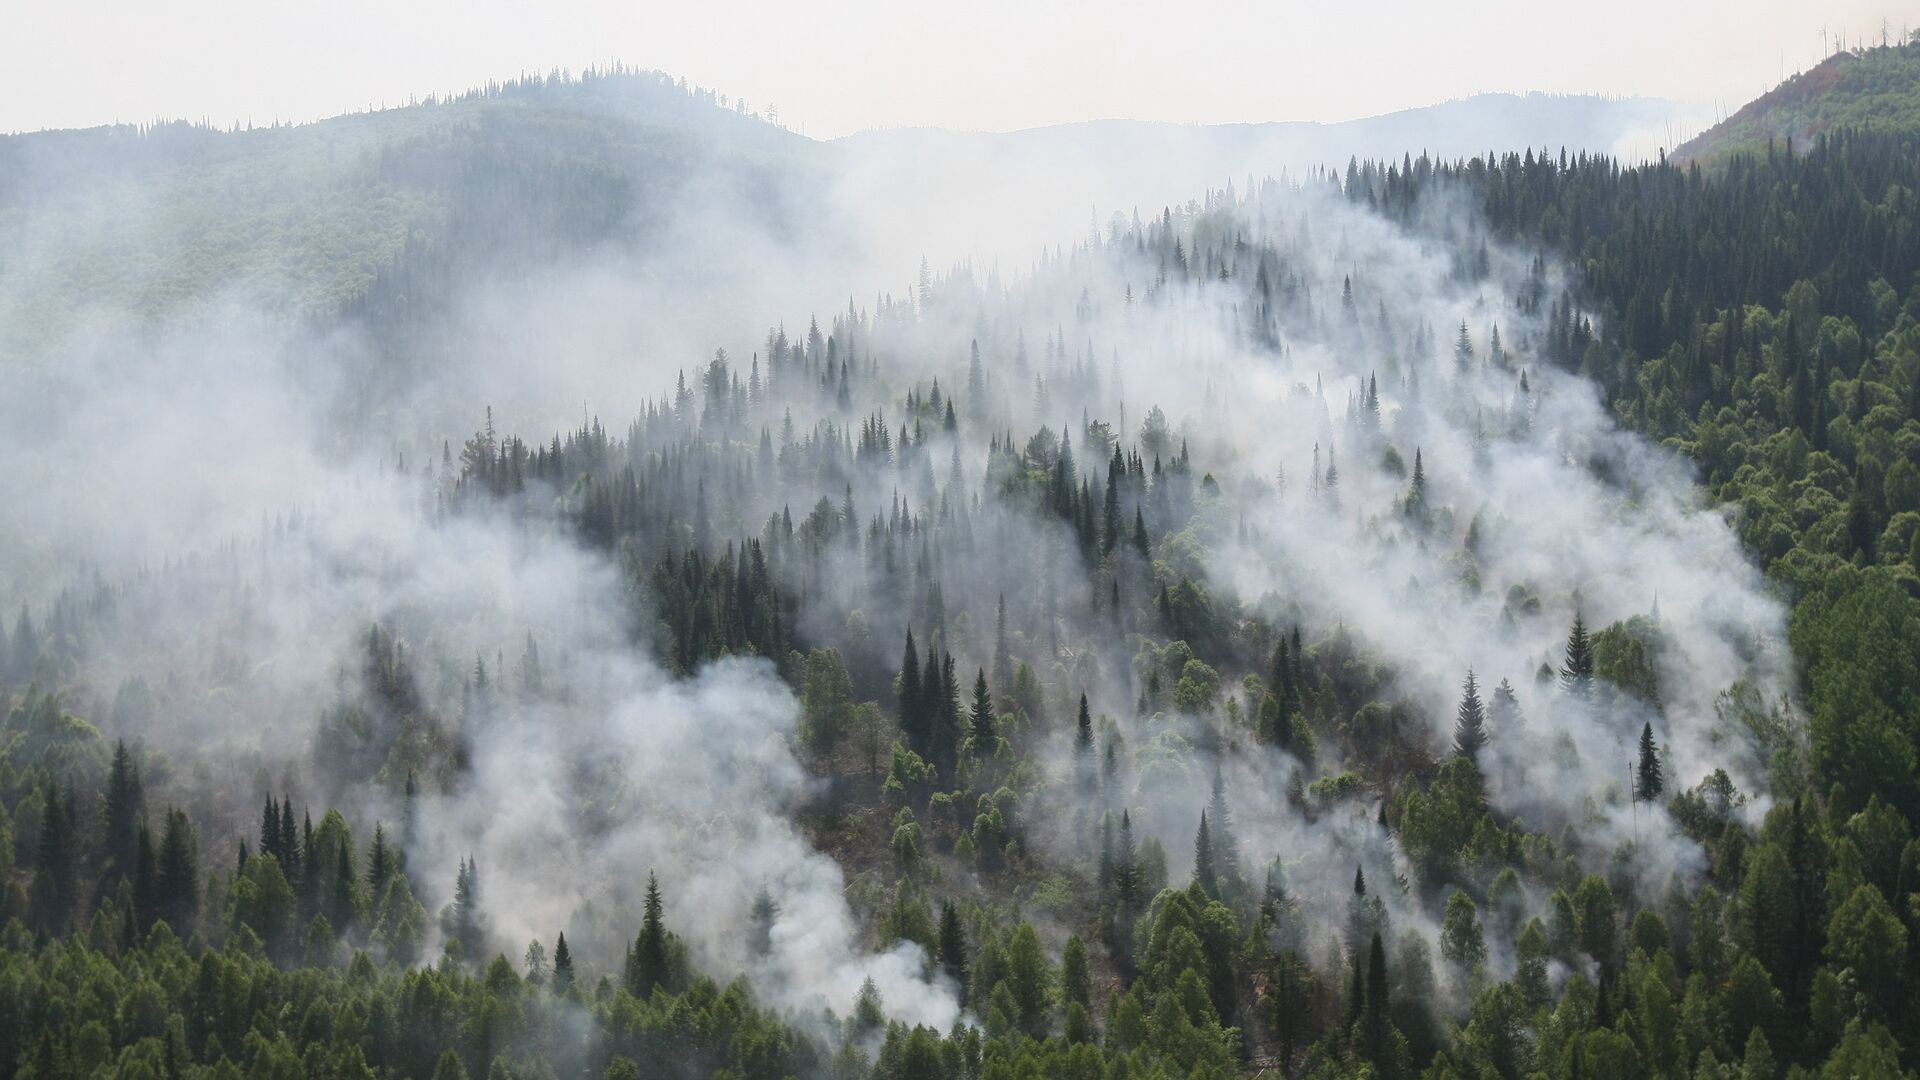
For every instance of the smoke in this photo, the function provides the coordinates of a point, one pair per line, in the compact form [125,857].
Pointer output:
[247,544]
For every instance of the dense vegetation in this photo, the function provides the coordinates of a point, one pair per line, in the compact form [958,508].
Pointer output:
[1870,88]
[1763,318]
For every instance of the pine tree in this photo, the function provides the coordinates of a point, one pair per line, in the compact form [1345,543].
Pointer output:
[1002,659]
[1083,733]
[1649,781]
[1375,1016]
[121,814]
[911,697]
[54,872]
[983,736]
[1126,868]
[289,850]
[1503,714]
[380,863]
[466,900]
[562,966]
[1416,503]
[1470,723]
[1203,869]
[953,948]
[270,830]
[1576,675]
[177,876]
[146,875]
[649,968]
[341,903]
[1226,854]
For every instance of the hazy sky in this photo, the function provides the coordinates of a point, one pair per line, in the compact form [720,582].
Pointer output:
[834,69]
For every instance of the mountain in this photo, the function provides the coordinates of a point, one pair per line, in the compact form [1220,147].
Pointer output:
[1877,88]
[975,193]
[367,212]
[306,219]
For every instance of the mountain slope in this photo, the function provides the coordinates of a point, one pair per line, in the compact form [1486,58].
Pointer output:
[304,219]
[1877,88]
[997,194]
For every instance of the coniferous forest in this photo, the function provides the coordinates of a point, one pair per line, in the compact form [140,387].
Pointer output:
[1418,618]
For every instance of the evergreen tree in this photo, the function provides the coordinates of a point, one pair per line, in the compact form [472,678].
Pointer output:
[1576,675]
[1083,732]
[1226,850]
[121,814]
[648,970]
[983,737]
[54,880]
[1376,1012]
[912,697]
[1204,873]
[340,904]
[270,830]
[1126,868]
[380,863]
[1416,501]
[1002,659]
[463,915]
[1648,779]
[1470,723]
[562,966]
[953,948]
[177,876]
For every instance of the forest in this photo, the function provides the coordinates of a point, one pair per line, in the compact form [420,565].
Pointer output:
[1427,618]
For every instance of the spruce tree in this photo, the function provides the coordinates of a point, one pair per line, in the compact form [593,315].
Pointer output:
[983,736]
[1416,502]
[121,814]
[1126,868]
[1083,733]
[380,863]
[1576,675]
[649,969]
[953,948]
[562,966]
[177,876]
[341,903]
[146,875]
[270,830]
[911,697]
[1002,658]
[1470,723]
[1226,854]
[1648,779]
[1375,1038]
[54,873]
[1204,873]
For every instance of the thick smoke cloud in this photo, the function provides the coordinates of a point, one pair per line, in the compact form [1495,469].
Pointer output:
[144,445]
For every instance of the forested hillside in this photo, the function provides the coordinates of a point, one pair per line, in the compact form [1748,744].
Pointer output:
[1445,619]
[1876,88]
[140,223]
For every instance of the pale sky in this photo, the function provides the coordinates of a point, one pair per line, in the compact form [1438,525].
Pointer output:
[837,68]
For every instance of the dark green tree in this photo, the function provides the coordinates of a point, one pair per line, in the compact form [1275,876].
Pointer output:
[1470,722]
[1648,779]
[1576,674]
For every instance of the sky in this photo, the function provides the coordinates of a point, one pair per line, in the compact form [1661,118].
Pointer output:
[986,65]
